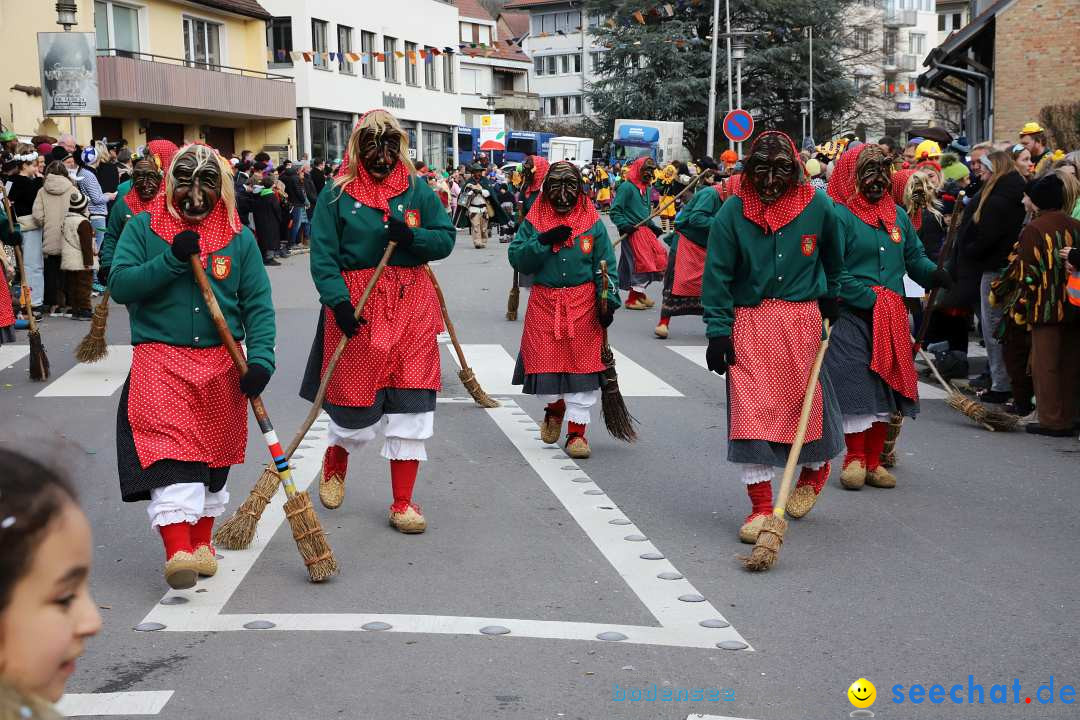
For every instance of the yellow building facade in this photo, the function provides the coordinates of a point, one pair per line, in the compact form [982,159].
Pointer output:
[193,71]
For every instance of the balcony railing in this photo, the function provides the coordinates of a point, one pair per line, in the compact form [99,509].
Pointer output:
[516,100]
[900,18]
[899,62]
[144,79]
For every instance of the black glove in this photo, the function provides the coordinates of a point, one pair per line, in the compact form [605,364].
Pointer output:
[254,381]
[830,308]
[626,230]
[720,354]
[103,275]
[606,317]
[14,239]
[557,234]
[344,315]
[941,279]
[185,244]
[398,232]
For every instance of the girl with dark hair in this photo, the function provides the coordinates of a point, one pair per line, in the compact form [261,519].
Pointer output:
[46,611]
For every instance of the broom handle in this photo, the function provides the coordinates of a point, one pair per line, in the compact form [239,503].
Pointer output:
[446,318]
[665,206]
[946,250]
[603,296]
[933,368]
[261,416]
[316,405]
[24,290]
[804,420]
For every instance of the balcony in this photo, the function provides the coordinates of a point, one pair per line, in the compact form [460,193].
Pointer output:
[900,18]
[144,80]
[899,62]
[515,100]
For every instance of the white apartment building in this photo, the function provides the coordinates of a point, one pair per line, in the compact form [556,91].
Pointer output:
[951,16]
[397,69]
[494,74]
[563,54]
[893,37]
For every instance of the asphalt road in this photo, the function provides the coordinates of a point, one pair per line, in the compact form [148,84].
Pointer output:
[967,568]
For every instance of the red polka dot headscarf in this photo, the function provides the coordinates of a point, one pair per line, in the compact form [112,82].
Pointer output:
[540,171]
[353,177]
[844,191]
[162,152]
[543,216]
[788,206]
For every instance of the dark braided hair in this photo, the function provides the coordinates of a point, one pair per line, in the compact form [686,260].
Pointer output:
[31,496]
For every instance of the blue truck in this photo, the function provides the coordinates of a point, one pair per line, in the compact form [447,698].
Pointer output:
[519,145]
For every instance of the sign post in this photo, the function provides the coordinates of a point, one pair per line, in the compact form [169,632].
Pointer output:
[69,79]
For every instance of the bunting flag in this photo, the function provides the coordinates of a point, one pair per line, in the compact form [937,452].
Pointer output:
[308,57]
[412,57]
[331,55]
[399,54]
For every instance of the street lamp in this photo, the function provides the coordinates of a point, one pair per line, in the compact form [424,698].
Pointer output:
[804,108]
[738,54]
[66,14]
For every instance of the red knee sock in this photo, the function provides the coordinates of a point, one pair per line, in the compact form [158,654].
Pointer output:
[633,296]
[202,532]
[760,498]
[875,443]
[557,408]
[856,447]
[573,428]
[176,537]
[402,480]
[336,460]
[664,321]
[814,478]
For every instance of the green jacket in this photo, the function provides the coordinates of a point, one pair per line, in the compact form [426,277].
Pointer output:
[346,235]
[696,218]
[872,258]
[118,218]
[166,306]
[744,266]
[569,267]
[630,206]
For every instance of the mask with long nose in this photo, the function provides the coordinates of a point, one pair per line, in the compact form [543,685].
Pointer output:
[146,179]
[562,186]
[196,185]
[772,168]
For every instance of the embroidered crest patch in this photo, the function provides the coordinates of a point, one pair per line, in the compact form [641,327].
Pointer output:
[895,235]
[220,266]
[809,244]
[586,244]
[412,218]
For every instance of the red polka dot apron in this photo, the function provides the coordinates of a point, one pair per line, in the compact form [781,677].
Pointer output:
[892,349]
[689,268]
[7,315]
[397,347]
[650,255]
[185,404]
[776,344]
[562,333]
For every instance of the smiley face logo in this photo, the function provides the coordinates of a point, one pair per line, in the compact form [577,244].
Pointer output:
[862,693]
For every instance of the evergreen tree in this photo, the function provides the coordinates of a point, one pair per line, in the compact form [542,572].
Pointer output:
[659,69]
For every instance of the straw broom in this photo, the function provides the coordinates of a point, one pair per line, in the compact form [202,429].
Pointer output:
[93,347]
[237,532]
[991,419]
[771,538]
[617,419]
[306,530]
[466,374]
[39,361]
[514,300]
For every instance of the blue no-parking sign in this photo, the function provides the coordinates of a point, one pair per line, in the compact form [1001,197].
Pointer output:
[738,125]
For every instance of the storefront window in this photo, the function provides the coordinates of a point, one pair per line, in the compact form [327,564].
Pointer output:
[436,147]
[328,138]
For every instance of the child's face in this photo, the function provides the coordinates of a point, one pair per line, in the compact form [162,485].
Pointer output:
[51,615]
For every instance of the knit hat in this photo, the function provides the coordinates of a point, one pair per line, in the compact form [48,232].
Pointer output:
[1047,193]
[58,152]
[927,150]
[77,202]
[1031,128]
[952,168]
[728,157]
[813,167]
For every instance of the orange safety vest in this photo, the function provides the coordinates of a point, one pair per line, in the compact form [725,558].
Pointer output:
[1072,288]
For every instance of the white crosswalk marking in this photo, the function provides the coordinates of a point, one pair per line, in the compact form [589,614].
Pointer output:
[494,368]
[99,379]
[11,354]
[119,703]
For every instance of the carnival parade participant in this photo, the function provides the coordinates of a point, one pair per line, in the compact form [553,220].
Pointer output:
[182,420]
[643,257]
[390,369]
[563,241]
[686,259]
[772,266]
[533,170]
[479,209]
[870,355]
[146,179]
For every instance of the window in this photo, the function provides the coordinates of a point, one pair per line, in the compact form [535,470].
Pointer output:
[411,76]
[544,23]
[344,45]
[431,79]
[279,40]
[596,19]
[467,32]
[568,21]
[538,65]
[957,21]
[367,46]
[561,105]
[328,137]
[117,26]
[484,33]
[202,45]
[389,50]
[594,61]
[575,63]
[448,72]
[550,65]
[941,23]
[889,43]
[318,43]
[575,104]
[470,81]
[917,44]
[862,38]
[564,64]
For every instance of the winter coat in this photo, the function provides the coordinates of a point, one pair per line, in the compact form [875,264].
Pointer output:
[89,186]
[294,188]
[77,252]
[267,214]
[310,190]
[50,208]
[1032,288]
